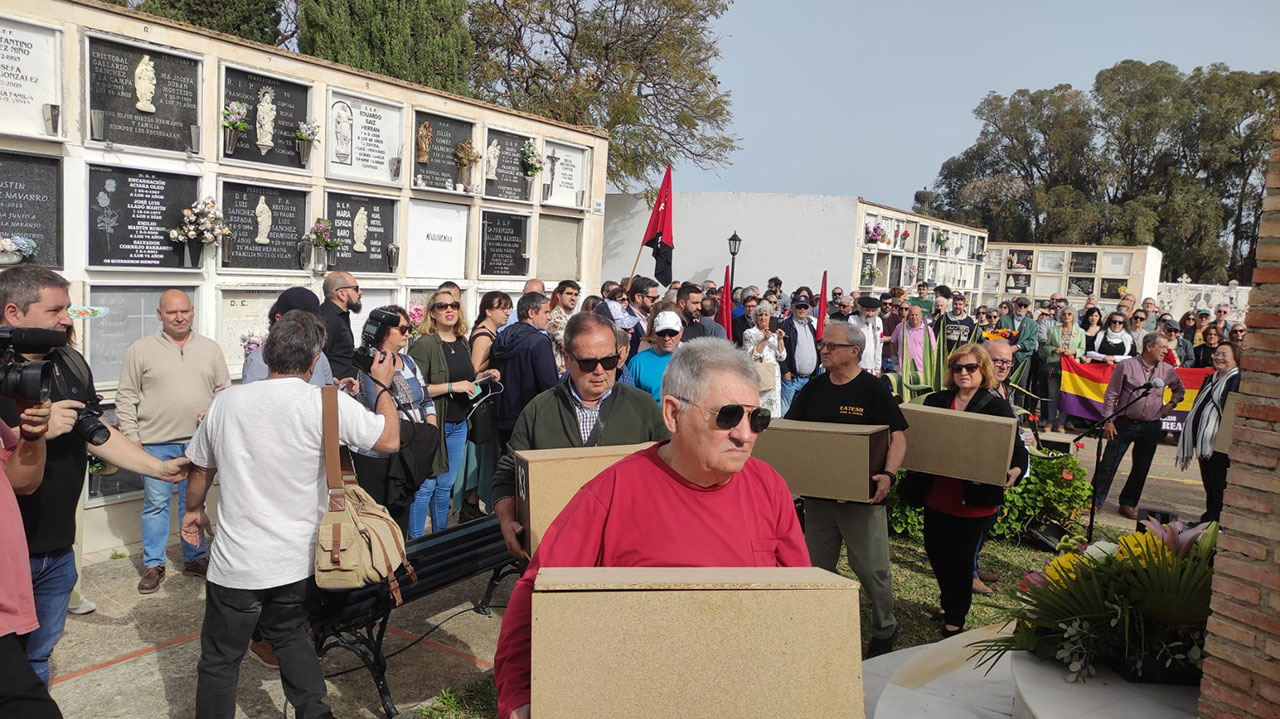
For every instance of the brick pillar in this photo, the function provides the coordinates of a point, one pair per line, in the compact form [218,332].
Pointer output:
[1242,671]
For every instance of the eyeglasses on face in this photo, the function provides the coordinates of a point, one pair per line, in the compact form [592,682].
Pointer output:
[652,298]
[403,329]
[1221,312]
[969,367]
[350,287]
[442,306]
[1002,362]
[1117,322]
[730,415]
[667,334]
[823,345]
[588,364]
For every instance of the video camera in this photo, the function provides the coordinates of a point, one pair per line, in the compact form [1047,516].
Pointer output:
[22,379]
[375,330]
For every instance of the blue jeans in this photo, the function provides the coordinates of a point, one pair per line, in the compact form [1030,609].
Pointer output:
[52,577]
[158,495]
[434,494]
[789,389]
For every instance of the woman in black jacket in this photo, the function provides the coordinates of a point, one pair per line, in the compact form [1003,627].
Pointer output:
[956,512]
[1200,430]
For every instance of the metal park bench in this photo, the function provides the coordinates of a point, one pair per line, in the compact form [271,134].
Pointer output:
[356,620]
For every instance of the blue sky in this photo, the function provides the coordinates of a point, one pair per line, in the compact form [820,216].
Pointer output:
[861,98]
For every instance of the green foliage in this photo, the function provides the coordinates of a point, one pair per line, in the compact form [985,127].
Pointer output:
[641,69]
[257,20]
[422,41]
[477,700]
[1151,156]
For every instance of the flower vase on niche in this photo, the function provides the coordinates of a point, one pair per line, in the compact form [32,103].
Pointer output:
[318,260]
[330,259]
[304,151]
[528,188]
[230,138]
[194,254]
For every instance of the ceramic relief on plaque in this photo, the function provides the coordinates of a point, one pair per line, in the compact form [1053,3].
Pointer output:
[265,119]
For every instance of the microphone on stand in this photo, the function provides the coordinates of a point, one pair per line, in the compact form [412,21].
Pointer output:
[1155,383]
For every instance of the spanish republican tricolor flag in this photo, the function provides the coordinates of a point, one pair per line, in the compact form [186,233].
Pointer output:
[1084,385]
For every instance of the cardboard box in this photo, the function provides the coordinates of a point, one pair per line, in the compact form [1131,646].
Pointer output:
[825,459]
[645,642]
[1226,426]
[546,479]
[963,445]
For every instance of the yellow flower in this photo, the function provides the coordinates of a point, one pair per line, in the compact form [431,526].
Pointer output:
[1062,568]
[1140,546]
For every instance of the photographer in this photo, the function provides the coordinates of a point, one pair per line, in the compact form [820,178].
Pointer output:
[35,297]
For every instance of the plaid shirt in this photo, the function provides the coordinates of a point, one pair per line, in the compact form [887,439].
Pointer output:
[587,416]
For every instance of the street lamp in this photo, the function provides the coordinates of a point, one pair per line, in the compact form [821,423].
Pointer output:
[735,243]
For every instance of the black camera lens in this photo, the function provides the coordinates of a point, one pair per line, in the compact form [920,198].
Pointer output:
[89,426]
[30,381]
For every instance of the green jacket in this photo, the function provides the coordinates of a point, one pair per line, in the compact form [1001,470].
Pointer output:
[549,422]
[1028,335]
[1054,361]
[428,352]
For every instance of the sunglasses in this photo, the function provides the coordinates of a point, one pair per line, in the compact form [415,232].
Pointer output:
[667,334]
[588,364]
[403,329]
[349,287]
[730,416]
[1117,322]
[442,306]
[1222,312]
[969,367]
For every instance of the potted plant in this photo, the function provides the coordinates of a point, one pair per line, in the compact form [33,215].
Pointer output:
[465,156]
[530,164]
[234,122]
[320,237]
[308,132]
[202,224]
[940,239]
[15,249]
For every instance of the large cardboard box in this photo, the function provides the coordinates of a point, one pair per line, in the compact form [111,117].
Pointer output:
[1226,426]
[824,459]
[645,642]
[963,445]
[546,479]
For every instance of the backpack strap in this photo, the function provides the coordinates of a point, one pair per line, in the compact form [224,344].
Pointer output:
[332,462]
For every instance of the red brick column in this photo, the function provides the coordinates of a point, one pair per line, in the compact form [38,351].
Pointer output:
[1242,671]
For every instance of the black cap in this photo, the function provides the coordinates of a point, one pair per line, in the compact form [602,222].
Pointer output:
[1022,302]
[884,296]
[800,298]
[869,302]
[296,298]
[1171,325]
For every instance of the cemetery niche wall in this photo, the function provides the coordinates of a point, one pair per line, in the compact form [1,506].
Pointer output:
[31,204]
[142,95]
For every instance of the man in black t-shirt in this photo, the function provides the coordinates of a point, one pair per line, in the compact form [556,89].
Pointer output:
[845,393]
[34,296]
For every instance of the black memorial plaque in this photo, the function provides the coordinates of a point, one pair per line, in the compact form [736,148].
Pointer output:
[439,136]
[1084,263]
[289,101]
[503,248]
[511,182]
[266,224]
[356,216]
[1113,288]
[130,215]
[135,114]
[31,203]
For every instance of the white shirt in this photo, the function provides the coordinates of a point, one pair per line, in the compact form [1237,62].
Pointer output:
[266,441]
[873,350]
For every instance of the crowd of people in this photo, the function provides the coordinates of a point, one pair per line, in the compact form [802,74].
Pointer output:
[434,418]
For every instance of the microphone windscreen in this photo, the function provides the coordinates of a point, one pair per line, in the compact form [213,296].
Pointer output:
[1157,382]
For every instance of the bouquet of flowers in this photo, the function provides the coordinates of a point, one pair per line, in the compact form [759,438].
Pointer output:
[1138,604]
[252,341]
[417,313]
[321,235]
[939,238]
[870,272]
[18,246]
[876,234]
[202,222]
[530,159]
[308,130]
[234,116]
[906,235]
[997,334]
[465,154]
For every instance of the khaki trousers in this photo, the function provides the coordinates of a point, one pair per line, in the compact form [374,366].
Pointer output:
[864,531]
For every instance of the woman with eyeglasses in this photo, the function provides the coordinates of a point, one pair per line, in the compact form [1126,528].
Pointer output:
[986,319]
[957,512]
[1113,343]
[1204,353]
[1200,431]
[373,468]
[1064,340]
[767,348]
[666,328]
[444,356]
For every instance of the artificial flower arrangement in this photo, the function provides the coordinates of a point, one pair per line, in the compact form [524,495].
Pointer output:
[997,334]
[321,235]
[530,159]
[202,222]
[465,154]
[235,116]
[1138,604]
[870,272]
[939,238]
[417,313]
[18,246]
[308,131]
[252,341]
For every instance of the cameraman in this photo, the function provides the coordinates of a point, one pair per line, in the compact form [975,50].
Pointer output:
[33,296]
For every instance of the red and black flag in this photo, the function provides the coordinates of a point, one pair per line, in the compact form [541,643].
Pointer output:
[658,234]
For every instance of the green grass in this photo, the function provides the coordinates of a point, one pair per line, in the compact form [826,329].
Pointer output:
[915,595]
[117,554]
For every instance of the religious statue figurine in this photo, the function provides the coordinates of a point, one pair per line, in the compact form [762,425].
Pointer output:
[342,132]
[144,84]
[263,213]
[491,155]
[360,231]
[266,119]
[552,160]
[424,142]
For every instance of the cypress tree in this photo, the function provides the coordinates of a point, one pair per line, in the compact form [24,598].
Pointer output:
[257,20]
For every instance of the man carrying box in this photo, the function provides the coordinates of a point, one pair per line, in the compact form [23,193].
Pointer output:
[698,500]
[847,394]
[589,410]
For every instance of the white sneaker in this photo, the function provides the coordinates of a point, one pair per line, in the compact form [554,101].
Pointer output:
[86,606]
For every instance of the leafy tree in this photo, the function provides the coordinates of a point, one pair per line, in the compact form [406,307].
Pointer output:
[640,69]
[422,41]
[257,20]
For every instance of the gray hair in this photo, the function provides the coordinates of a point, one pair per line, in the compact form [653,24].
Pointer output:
[763,307]
[1063,310]
[852,335]
[294,341]
[584,323]
[1150,339]
[21,284]
[688,374]
[529,303]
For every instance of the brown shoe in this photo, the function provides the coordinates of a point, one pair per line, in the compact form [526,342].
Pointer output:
[1128,512]
[197,568]
[980,588]
[986,576]
[151,579]
[262,651]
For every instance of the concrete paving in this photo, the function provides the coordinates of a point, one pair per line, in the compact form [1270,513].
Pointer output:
[1168,488]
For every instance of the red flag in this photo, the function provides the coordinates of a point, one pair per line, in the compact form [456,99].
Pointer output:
[725,315]
[822,305]
[658,234]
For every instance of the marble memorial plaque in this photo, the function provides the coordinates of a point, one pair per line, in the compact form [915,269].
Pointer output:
[563,171]
[267,224]
[503,176]
[365,226]
[275,109]
[131,212]
[437,245]
[434,140]
[31,203]
[148,98]
[504,248]
[29,77]
[363,139]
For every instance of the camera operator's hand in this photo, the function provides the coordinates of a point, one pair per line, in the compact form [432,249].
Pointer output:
[63,417]
[34,419]
[383,368]
[174,470]
[348,385]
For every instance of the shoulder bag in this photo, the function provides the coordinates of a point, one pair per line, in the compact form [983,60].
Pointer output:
[358,543]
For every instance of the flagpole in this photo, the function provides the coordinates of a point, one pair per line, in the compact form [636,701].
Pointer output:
[634,265]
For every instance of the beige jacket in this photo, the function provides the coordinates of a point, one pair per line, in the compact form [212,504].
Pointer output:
[163,387]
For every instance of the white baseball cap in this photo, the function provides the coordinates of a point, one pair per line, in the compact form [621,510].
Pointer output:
[667,320]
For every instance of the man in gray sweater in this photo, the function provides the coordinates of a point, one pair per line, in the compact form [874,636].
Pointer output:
[167,381]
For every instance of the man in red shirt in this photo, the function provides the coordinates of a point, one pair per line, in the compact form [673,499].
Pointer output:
[697,500]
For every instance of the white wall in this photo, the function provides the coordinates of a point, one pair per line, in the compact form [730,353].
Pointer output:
[794,237]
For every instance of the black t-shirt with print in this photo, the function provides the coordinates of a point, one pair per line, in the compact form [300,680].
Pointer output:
[865,399]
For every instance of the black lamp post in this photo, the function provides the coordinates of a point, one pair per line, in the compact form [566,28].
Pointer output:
[735,243]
